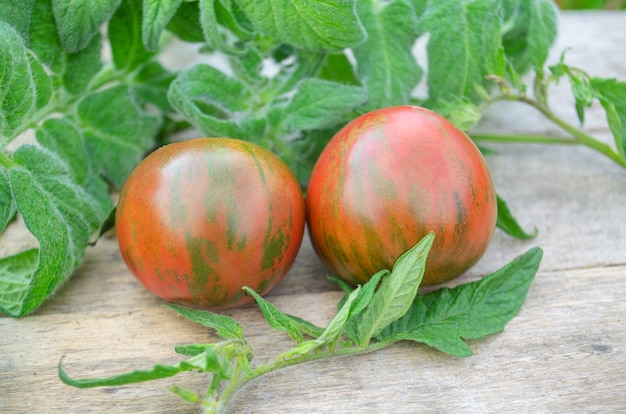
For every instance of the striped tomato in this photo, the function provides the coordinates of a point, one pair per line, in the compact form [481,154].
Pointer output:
[387,179]
[199,219]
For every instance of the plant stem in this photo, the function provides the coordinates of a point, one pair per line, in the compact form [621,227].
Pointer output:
[525,139]
[578,136]
[240,381]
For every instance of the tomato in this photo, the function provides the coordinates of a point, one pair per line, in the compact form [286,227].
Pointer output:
[199,219]
[387,179]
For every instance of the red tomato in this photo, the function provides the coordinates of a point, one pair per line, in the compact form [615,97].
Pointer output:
[387,179]
[199,219]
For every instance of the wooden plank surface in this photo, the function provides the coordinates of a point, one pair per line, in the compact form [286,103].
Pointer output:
[565,351]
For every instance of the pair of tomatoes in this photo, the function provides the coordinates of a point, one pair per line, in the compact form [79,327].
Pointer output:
[200,219]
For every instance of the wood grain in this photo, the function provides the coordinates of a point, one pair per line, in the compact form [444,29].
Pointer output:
[565,351]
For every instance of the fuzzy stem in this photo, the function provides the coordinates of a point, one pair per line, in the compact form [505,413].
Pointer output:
[240,381]
[525,139]
[579,137]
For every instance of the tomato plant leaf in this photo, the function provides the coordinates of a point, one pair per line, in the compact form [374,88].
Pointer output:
[76,70]
[464,46]
[444,317]
[364,298]
[582,90]
[460,111]
[212,32]
[78,21]
[330,334]
[185,394]
[15,277]
[126,36]
[336,325]
[214,102]
[338,68]
[312,25]
[191,349]
[277,319]
[385,63]
[186,23]
[305,326]
[507,222]
[200,362]
[225,326]
[366,293]
[529,28]
[156,15]
[612,95]
[18,94]
[43,39]
[82,66]
[7,205]
[61,213]
[113,123]
[215,91]
[395,293]
[20,12]
[151,84]
[318,103]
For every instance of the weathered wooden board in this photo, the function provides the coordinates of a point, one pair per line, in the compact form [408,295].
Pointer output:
[564,352]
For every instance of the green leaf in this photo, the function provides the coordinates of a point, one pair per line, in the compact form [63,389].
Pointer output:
[336,325]
[186,23]
[18,94]
[125,35]
[612,95]
[156,16]
[113,123]
[213,102]
[530,28]
[61,206]
[225,326]
[464,46]
[276,319]
[367,292]
[15,278]
[82,66]
[152,83]
[78,21]
[317,103]
[460,111]
[508,224]
[7,205]
[385,64]
[338,68]
[330,334]
[305,151]
[20,12]
[312,25]
[444,317]
[395,294]
[62,138]
[248,66]
[185,394]
[305,326]
[212,32]
[230,15]
[192,349]
[44,39]
[42,83]
[197,363]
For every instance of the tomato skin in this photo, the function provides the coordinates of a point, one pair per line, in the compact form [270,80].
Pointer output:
[199,219]
[387,179]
